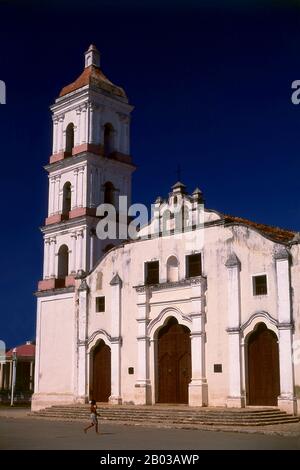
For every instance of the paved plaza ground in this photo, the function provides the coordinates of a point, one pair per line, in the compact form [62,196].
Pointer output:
[20,431]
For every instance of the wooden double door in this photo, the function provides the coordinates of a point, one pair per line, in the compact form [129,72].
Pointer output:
[101,390]
[174,363]
[263,367]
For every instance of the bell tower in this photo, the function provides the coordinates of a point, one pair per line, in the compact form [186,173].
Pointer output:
[90,164]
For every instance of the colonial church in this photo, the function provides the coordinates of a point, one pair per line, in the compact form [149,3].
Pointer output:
[208,316]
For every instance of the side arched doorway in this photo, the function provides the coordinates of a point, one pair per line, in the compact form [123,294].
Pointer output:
[101,372]
[173,363]
[263,367]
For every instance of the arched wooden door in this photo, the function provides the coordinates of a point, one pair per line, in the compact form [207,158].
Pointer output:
[101,373]
[174,363]
[263,367]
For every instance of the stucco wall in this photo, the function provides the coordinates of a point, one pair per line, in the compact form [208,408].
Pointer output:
[255,253]
[56,345]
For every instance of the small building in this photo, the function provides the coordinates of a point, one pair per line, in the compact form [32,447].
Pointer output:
[24,356]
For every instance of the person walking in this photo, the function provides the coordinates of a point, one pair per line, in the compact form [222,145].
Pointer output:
[94,417]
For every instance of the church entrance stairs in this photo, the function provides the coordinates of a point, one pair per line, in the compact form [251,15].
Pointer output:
[170,415]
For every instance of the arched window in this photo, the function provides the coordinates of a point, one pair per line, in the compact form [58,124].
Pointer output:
[108,139]
[172,269]
[109,190]
[69,137]
[63,262]
[66,198]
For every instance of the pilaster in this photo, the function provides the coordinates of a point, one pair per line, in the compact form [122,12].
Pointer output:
[116,288]
[60,133]
[83,124]
[51,196]
[80,187]
[143,383]
[79,249]
[52,271]
[46,258]
[82,394]
[198,387]
[77,127]
[235,398]
[75,191]
[55,135]
[73,253]
[56,194]
[287,400]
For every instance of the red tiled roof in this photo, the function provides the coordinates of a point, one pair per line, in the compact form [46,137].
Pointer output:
[23,350]
[275,233]
[93,76]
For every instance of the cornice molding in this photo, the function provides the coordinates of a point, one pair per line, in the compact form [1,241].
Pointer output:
[286,326]
[92,94]
[189,282]
[67,225]
[48,293]
[88,158]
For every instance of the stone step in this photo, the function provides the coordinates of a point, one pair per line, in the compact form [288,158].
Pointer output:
[159,419]
[150,409]
[183,422]
[172,416]
[166,412]
[166,416]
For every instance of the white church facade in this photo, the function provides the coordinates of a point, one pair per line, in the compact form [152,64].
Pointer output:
[208,316]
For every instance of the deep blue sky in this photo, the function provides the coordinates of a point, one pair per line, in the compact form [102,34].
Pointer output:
[211,87]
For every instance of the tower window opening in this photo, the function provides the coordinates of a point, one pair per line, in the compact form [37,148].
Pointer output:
[108,139]
[70,137]
[63,262]
[66,198]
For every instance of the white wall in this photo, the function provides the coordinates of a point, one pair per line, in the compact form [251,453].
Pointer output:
[55,350]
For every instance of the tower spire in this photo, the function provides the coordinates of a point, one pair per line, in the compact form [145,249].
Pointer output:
[92,57]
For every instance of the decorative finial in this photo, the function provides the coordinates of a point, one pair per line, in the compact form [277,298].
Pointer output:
[92,57]
[197,195]
[179,188]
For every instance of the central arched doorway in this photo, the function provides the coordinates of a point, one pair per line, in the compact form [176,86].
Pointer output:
[101,372]
[263,367]
[173,362]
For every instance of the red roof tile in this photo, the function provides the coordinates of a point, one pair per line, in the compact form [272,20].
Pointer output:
[275,233]
[23,350]
[93,76]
